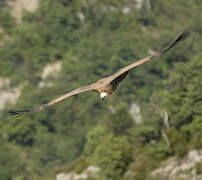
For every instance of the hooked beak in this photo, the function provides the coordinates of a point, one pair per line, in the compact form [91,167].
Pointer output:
[103,98]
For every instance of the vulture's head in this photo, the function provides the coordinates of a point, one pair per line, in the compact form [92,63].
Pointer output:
[103,96]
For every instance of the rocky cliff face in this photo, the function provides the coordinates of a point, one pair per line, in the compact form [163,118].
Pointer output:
[7,94]
[187,168]
[19,5]
[89,172]
[50,71]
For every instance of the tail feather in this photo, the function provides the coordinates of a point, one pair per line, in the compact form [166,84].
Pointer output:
[180,38]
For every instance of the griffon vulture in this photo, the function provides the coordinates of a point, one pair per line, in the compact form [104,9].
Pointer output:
[107,85]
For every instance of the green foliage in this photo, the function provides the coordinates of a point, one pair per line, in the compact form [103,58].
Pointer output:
[196,140]
[179,142]
[119,121]
[147,158]
[144,133]
[113,156]
[81,165]
[6,20]
[198,167]
[94,138]
[11,162]
[78,166]
[182,99]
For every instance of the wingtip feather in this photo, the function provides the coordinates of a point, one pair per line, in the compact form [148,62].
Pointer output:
[17,113]
[184,35]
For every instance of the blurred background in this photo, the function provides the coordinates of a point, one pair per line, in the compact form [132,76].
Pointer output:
[150,128]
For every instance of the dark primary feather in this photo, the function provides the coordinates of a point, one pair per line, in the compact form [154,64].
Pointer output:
[116,81]
[180,38]
[17,113]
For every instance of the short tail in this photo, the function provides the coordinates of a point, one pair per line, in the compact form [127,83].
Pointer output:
[180,38]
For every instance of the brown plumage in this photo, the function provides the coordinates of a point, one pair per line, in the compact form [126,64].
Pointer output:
[106,85]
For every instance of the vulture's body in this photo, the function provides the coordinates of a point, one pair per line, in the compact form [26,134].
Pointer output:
[107,85]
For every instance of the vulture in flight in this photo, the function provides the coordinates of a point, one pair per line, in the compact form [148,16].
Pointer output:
[107,85]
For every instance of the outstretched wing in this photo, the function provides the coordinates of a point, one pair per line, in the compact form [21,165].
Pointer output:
[116,78]
[64,96]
